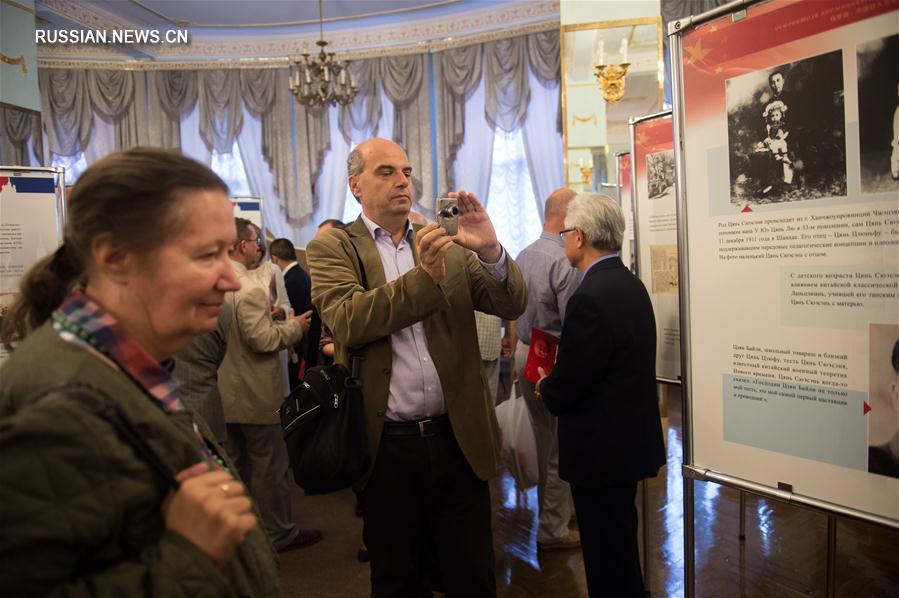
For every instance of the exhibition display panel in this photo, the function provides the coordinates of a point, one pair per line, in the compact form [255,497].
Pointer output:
[655,224]
[787,168]
[32,215]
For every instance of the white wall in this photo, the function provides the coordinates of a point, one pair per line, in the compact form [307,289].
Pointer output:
[588,11]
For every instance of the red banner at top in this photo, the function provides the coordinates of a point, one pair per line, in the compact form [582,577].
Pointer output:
[772,24]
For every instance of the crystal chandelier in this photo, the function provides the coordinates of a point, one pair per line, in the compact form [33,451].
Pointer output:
[321,80]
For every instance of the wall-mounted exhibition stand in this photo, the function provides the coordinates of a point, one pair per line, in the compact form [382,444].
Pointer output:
[32,217]
[788,228]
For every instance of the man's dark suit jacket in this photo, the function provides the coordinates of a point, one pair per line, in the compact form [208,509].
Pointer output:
[299,289]
[299,293]
[603,386]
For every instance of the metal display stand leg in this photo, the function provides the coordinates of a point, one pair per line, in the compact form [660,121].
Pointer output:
[646,560]
[689,541]
[742,515]
[830,589]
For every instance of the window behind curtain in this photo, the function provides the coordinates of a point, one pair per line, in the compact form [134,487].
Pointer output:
[229,166]
[74,166]
[510,201]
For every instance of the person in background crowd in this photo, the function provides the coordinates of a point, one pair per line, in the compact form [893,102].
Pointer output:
[270,277]
[109,484]
[196,367]
[603,389]
[551,280]
[884,459]
[250,382]
[299,289]
[431,424]
[328,225]
[320,348]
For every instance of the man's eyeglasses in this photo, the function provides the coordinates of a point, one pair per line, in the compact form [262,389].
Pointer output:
[260,243]
[562,233]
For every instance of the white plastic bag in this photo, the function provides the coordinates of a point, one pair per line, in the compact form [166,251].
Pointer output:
[519,450]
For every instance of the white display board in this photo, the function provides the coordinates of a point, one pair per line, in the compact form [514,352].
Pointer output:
[32,213]
[789,217]
[655,214]
[249,208]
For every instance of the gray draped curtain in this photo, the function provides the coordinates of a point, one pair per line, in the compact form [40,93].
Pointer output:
[112,94]
[66,109]
[504,64]
[457,74]
[18,127]
[404,79]
[171,96]
[365,111]
[72,98]
[266,93]
[312,139]
[545,60]
[507,92]
[221,116]
[148,107]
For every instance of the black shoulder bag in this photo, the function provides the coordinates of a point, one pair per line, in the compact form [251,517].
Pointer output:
[323,422]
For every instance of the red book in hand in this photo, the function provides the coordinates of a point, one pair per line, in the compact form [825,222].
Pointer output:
[541,354]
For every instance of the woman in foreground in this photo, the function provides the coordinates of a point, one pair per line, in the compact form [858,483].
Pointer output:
[108,485]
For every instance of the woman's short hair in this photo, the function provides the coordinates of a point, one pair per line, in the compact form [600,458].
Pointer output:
[132,196]
[599,218]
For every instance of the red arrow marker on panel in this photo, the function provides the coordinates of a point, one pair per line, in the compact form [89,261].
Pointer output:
[866,408]
[746,208]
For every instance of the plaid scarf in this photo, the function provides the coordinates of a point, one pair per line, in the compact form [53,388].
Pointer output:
[80,321]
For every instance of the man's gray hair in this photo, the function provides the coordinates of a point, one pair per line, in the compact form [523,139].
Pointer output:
[599,218]
[354,162]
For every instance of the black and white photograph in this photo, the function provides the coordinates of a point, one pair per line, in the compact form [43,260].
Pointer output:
[660,174]
[878,114]
[786,130]
[883,398]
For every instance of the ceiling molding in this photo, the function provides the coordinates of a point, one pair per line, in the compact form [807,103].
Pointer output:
[90,19]
[282,62]
[367,15]
[159,14]
[422,35]
[17,5]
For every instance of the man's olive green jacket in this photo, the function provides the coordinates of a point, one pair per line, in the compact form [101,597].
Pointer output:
[365,319]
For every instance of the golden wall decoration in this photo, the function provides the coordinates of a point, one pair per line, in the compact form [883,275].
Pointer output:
[20,60]
[584,119]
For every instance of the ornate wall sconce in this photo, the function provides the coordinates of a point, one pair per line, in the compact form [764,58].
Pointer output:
[586,172]
[611,79]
